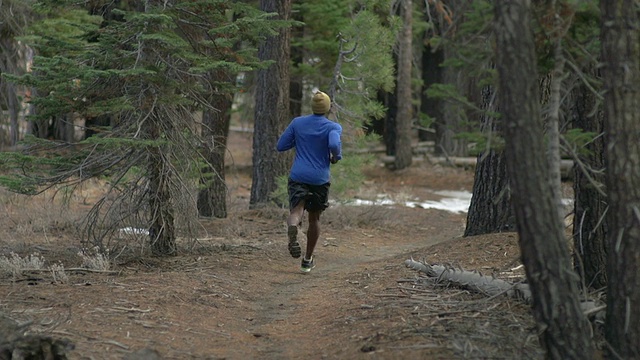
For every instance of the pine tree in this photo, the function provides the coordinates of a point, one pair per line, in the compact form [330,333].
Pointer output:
[145,66]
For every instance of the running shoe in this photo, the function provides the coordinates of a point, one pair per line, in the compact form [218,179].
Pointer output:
[307,265]
[294,246]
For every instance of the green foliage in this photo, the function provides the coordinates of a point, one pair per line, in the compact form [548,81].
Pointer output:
[347,175]
[449,92]
[280,195]
[579,139]
[425,121]
[480,142]
[372,67]
[323,21]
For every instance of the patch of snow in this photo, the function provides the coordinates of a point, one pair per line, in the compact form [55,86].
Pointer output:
[453,201]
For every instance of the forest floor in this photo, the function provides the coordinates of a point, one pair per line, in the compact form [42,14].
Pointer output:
[237,294]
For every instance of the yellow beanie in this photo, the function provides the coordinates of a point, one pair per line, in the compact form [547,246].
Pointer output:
[320,104]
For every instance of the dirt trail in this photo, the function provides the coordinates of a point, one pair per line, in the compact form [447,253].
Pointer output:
[296,315]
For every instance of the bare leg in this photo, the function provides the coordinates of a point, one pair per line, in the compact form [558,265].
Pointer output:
[294,219]
[295,215]
[313,233]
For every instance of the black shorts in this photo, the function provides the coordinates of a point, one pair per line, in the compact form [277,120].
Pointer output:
[316,196]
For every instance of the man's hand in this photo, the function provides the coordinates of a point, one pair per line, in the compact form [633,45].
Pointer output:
[333,160]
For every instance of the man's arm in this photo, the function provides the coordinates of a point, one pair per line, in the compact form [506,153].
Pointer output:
[335,145]
[287,139]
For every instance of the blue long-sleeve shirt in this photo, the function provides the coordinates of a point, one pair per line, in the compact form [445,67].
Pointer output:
[315,138]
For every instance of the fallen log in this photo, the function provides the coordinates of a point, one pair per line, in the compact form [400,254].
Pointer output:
[595,310]
[472,280]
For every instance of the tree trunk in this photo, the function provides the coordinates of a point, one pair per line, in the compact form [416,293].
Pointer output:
[620,39]
[390,129]
[161,229]
[272,108]
[449,125]
[11,63]
[454,115]
[553,127]
[212,199]
[563,329]
[431,74]
[490,210]
[404,120]
[14,110]
[64,127]
[296,86]
[162,235]
[590,205]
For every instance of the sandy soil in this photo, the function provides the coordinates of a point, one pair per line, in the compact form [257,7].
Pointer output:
[237,294]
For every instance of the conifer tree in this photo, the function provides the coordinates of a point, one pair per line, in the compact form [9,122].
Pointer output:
[146,66]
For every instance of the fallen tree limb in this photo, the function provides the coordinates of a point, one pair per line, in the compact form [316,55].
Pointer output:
[493,287]
[472,280]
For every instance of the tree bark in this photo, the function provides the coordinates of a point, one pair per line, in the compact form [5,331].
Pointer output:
[454,116]
[390,129]
[563,330]
[12,63]
[590,205]
[431,74]
[404,120]
[162,235]
[449,125]
[296,83]
[620,41]
[272,108]
[490,210]
[212,199]
[553,126]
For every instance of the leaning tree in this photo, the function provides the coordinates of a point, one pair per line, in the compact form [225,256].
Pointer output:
[271,108]
[564,330]
[620,39]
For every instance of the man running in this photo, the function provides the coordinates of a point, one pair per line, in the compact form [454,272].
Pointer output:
[317,141]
